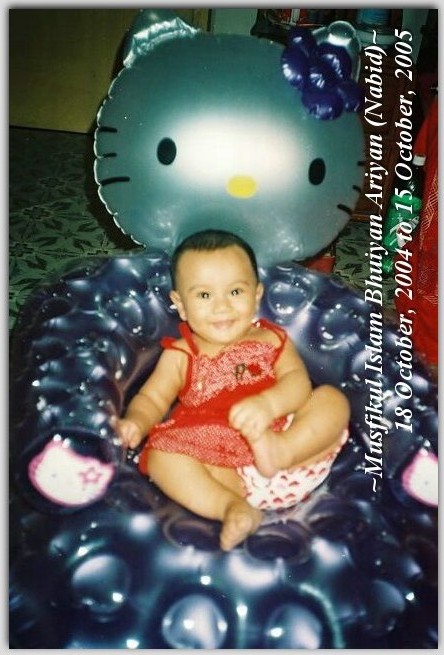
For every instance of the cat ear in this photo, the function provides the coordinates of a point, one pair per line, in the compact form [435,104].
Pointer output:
[151,27]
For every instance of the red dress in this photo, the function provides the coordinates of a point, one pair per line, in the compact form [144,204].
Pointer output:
[198,425]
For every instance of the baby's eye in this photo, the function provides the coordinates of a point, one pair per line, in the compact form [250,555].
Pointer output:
[237,292]
[203,294]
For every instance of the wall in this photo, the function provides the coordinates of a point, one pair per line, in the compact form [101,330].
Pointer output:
[240,21]
[413,20]
[232,21]
[62,61]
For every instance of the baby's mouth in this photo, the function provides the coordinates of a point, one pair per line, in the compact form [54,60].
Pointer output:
[223,325]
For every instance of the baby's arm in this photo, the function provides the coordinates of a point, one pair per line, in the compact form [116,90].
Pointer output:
[153,400]
[291,390]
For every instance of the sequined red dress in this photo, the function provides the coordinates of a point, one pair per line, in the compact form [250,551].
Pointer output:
[198,425]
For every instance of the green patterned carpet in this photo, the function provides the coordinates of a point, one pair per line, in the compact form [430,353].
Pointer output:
[56,215]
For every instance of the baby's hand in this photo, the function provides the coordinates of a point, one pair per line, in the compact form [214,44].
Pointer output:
[128,432]
[251,416]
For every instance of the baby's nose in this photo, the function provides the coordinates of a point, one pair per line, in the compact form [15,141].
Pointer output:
[221,303]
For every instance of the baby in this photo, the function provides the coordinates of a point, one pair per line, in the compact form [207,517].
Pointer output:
[248,432]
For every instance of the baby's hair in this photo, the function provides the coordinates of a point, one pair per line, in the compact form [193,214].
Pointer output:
[211,240]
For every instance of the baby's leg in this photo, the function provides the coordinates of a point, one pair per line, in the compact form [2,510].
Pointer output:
[316,430]
[210,491]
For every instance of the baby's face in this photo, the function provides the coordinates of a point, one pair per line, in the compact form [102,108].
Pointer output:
[217,293]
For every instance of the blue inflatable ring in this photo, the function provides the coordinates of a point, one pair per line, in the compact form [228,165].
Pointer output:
[355,566]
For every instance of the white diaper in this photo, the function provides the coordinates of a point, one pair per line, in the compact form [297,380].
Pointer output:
[286,488]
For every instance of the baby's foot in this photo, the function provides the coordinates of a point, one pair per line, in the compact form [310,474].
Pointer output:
[241,519]
[263,452]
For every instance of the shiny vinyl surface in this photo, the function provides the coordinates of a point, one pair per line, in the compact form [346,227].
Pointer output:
[349,568]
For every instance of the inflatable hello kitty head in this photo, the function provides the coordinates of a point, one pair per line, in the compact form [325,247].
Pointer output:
[202,130]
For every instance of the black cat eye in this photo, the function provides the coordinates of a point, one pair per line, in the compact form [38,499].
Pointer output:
[316,172]
[166,151]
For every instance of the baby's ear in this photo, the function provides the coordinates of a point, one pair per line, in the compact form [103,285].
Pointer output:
[177,302]
[259,292]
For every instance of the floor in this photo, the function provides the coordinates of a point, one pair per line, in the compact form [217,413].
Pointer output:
[56,215]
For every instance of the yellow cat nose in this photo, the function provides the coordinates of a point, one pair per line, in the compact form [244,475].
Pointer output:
[241,186]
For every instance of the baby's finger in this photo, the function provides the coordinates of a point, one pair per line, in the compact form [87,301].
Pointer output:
[240,421]
[252,434]
[235,417]
[125,433]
